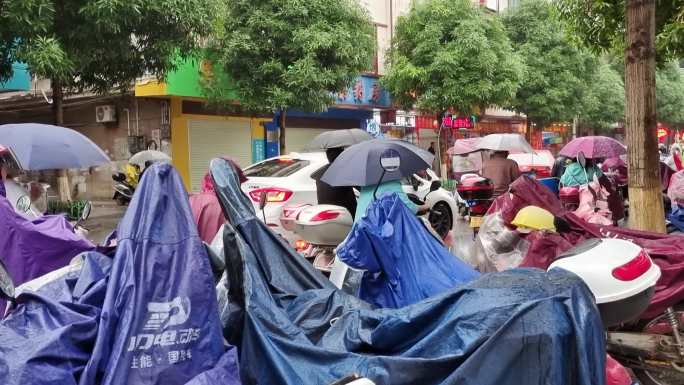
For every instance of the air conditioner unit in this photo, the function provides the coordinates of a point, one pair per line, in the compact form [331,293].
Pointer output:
[105,114]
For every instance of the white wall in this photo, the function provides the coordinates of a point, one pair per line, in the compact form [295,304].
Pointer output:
[384,14]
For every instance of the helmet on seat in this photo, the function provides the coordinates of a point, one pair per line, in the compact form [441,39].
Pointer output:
[533,218]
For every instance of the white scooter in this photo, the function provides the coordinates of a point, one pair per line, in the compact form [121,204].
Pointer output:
[324,227]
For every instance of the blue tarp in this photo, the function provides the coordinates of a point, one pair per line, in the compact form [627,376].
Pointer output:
[292,327]
[47,339]
[149,317]
[403,263]
[159,322]
[676,217]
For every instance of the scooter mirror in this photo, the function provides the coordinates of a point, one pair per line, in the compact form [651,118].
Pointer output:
[436,185]
[582,159]
[414,183]
[87,209]
[390,160]
[262,200]
[6,284]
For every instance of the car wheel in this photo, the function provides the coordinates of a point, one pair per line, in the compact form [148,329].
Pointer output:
[441,218]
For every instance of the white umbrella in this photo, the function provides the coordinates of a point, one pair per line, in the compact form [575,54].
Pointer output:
[505,142]
[149,156]
[540,158]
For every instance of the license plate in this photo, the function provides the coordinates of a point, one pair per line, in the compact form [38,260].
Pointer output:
[475,222]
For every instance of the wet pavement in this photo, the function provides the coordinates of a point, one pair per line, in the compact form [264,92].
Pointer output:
[464,240]
[104,218]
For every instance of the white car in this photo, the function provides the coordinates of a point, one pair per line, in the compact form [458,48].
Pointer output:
[286,180]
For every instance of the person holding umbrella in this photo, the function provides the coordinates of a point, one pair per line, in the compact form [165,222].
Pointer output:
[334,143]
[377,167]
[499,169]
[576,175]
[593,148]
[334,195]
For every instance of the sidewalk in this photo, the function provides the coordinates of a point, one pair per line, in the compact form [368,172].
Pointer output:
[103,219]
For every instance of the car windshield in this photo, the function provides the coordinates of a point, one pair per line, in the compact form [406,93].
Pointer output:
[276,168]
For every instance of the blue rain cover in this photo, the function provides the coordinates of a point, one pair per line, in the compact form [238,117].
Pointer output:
[159,322]
[47,339]
[403,263]
[516,327]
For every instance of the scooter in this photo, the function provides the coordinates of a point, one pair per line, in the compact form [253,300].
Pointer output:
[323,227]
[123,192]
[475,196]
[622,277]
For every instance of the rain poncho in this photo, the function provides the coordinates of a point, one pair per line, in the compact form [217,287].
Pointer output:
[292,326]
[675,190]
[403,262]
[48,338]
[147,317]
[132,173]
[159,322]
[667,251]
[576,175]
[206,209]
[368,195]
[30,249]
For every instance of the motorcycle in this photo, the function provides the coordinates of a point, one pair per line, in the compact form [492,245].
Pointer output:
[123,191]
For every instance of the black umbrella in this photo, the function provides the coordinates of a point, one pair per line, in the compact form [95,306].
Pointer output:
[371,162]
[338,138]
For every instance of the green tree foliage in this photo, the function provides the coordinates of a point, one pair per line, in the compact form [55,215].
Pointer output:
[601,25]
[604,101]
[670,95]
[447,54]
[557,73]
[669,91]
[99,45]
[285,54]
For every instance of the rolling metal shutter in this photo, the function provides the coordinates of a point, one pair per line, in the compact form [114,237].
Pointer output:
[297,138]
[210,139]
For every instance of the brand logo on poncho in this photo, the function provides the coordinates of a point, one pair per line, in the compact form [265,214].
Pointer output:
[163,326]
[163,314]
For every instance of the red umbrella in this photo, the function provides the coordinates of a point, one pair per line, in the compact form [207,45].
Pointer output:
[594,147]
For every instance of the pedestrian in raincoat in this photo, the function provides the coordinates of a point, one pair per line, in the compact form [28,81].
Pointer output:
[576,175]
[206,209]
[132,172]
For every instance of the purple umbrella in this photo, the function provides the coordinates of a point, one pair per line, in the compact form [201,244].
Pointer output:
[46,147]
[594,147]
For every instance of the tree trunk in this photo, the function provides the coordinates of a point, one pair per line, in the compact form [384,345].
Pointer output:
[441,157]
[645,196]
[281,138]
[63,187]
[529,133]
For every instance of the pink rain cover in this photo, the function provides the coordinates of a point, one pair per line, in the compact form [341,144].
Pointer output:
[676,188]
[667,251]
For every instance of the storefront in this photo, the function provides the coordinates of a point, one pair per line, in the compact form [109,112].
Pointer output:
[363,103]
[197,133]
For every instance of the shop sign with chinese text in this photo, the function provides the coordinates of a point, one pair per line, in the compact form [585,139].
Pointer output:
[366,91]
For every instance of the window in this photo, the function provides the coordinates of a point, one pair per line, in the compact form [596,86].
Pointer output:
[276,168]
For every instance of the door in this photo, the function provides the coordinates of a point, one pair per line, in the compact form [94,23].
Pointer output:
[210,139]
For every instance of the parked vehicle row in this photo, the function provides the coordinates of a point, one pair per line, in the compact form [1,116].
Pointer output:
[287,183]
